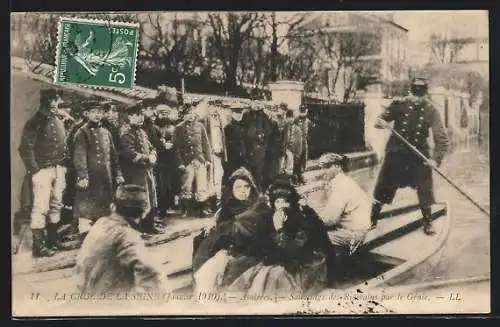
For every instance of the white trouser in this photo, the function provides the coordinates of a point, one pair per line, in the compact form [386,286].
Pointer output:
[286,163]
[197,172]
[48,186]
[216,173]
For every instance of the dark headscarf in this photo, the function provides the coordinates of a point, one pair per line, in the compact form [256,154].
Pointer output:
[229,202]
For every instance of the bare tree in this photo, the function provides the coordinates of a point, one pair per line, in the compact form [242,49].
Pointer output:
[36,34]
[171,44]
[344,56]
[446,48]
[272,25]
[301,63]
[229,33]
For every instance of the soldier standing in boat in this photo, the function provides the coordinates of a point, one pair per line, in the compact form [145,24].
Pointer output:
[413,117]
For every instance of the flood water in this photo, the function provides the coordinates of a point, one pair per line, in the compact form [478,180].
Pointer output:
[467,252]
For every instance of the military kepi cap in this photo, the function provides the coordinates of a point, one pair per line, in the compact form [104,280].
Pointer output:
[135,108]
[49,94]
[419,81]
[237,107]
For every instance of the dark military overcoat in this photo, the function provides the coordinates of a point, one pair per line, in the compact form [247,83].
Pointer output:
[95,159]
[134,147]
[413,118]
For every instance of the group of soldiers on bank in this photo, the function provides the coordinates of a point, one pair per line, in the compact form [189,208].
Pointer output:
[181,153]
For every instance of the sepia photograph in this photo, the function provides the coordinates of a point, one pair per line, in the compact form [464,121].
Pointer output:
[250,163]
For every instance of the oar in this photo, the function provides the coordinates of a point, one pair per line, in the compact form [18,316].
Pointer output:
[446,178]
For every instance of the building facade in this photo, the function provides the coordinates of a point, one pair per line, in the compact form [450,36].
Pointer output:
[379,46]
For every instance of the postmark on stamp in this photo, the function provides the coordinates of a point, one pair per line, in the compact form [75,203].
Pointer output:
[96,53]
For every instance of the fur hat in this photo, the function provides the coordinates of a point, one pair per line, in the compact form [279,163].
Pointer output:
[283,188]
[132,196]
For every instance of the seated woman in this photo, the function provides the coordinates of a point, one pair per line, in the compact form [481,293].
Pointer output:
[242,235]
[296,262]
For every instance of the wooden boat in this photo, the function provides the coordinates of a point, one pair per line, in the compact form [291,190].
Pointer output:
[392,253]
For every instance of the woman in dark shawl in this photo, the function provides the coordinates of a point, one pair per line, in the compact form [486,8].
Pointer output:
[296,263]
[242,236]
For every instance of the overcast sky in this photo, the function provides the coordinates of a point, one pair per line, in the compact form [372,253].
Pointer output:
[465,22]
[422,23]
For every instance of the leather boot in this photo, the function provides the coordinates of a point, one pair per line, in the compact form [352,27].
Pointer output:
[375,214]
[54,239]
[427,221]
[39,249]
[147,225]
[205,209]
[185,205]
[73,232]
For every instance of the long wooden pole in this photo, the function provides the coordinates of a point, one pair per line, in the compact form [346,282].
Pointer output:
[441,173]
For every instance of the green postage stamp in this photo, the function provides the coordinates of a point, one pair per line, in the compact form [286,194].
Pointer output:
[96,53]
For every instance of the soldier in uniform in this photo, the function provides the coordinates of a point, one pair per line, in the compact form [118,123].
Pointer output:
[413,117]
[300,165]
[137,159]
[169,188]
[44,153]
[70,191]
[111,123]
[97,169]
[193,154]
[235,141]
[211,119]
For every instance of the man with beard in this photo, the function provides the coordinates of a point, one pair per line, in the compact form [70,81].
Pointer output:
[44,152]
[97,170]
[235,144]
[113,258]
[138,157]
[193,154]
[169,182]
[211,119]
[258,139]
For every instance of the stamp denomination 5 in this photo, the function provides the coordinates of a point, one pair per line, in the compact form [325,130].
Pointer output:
[96,53]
